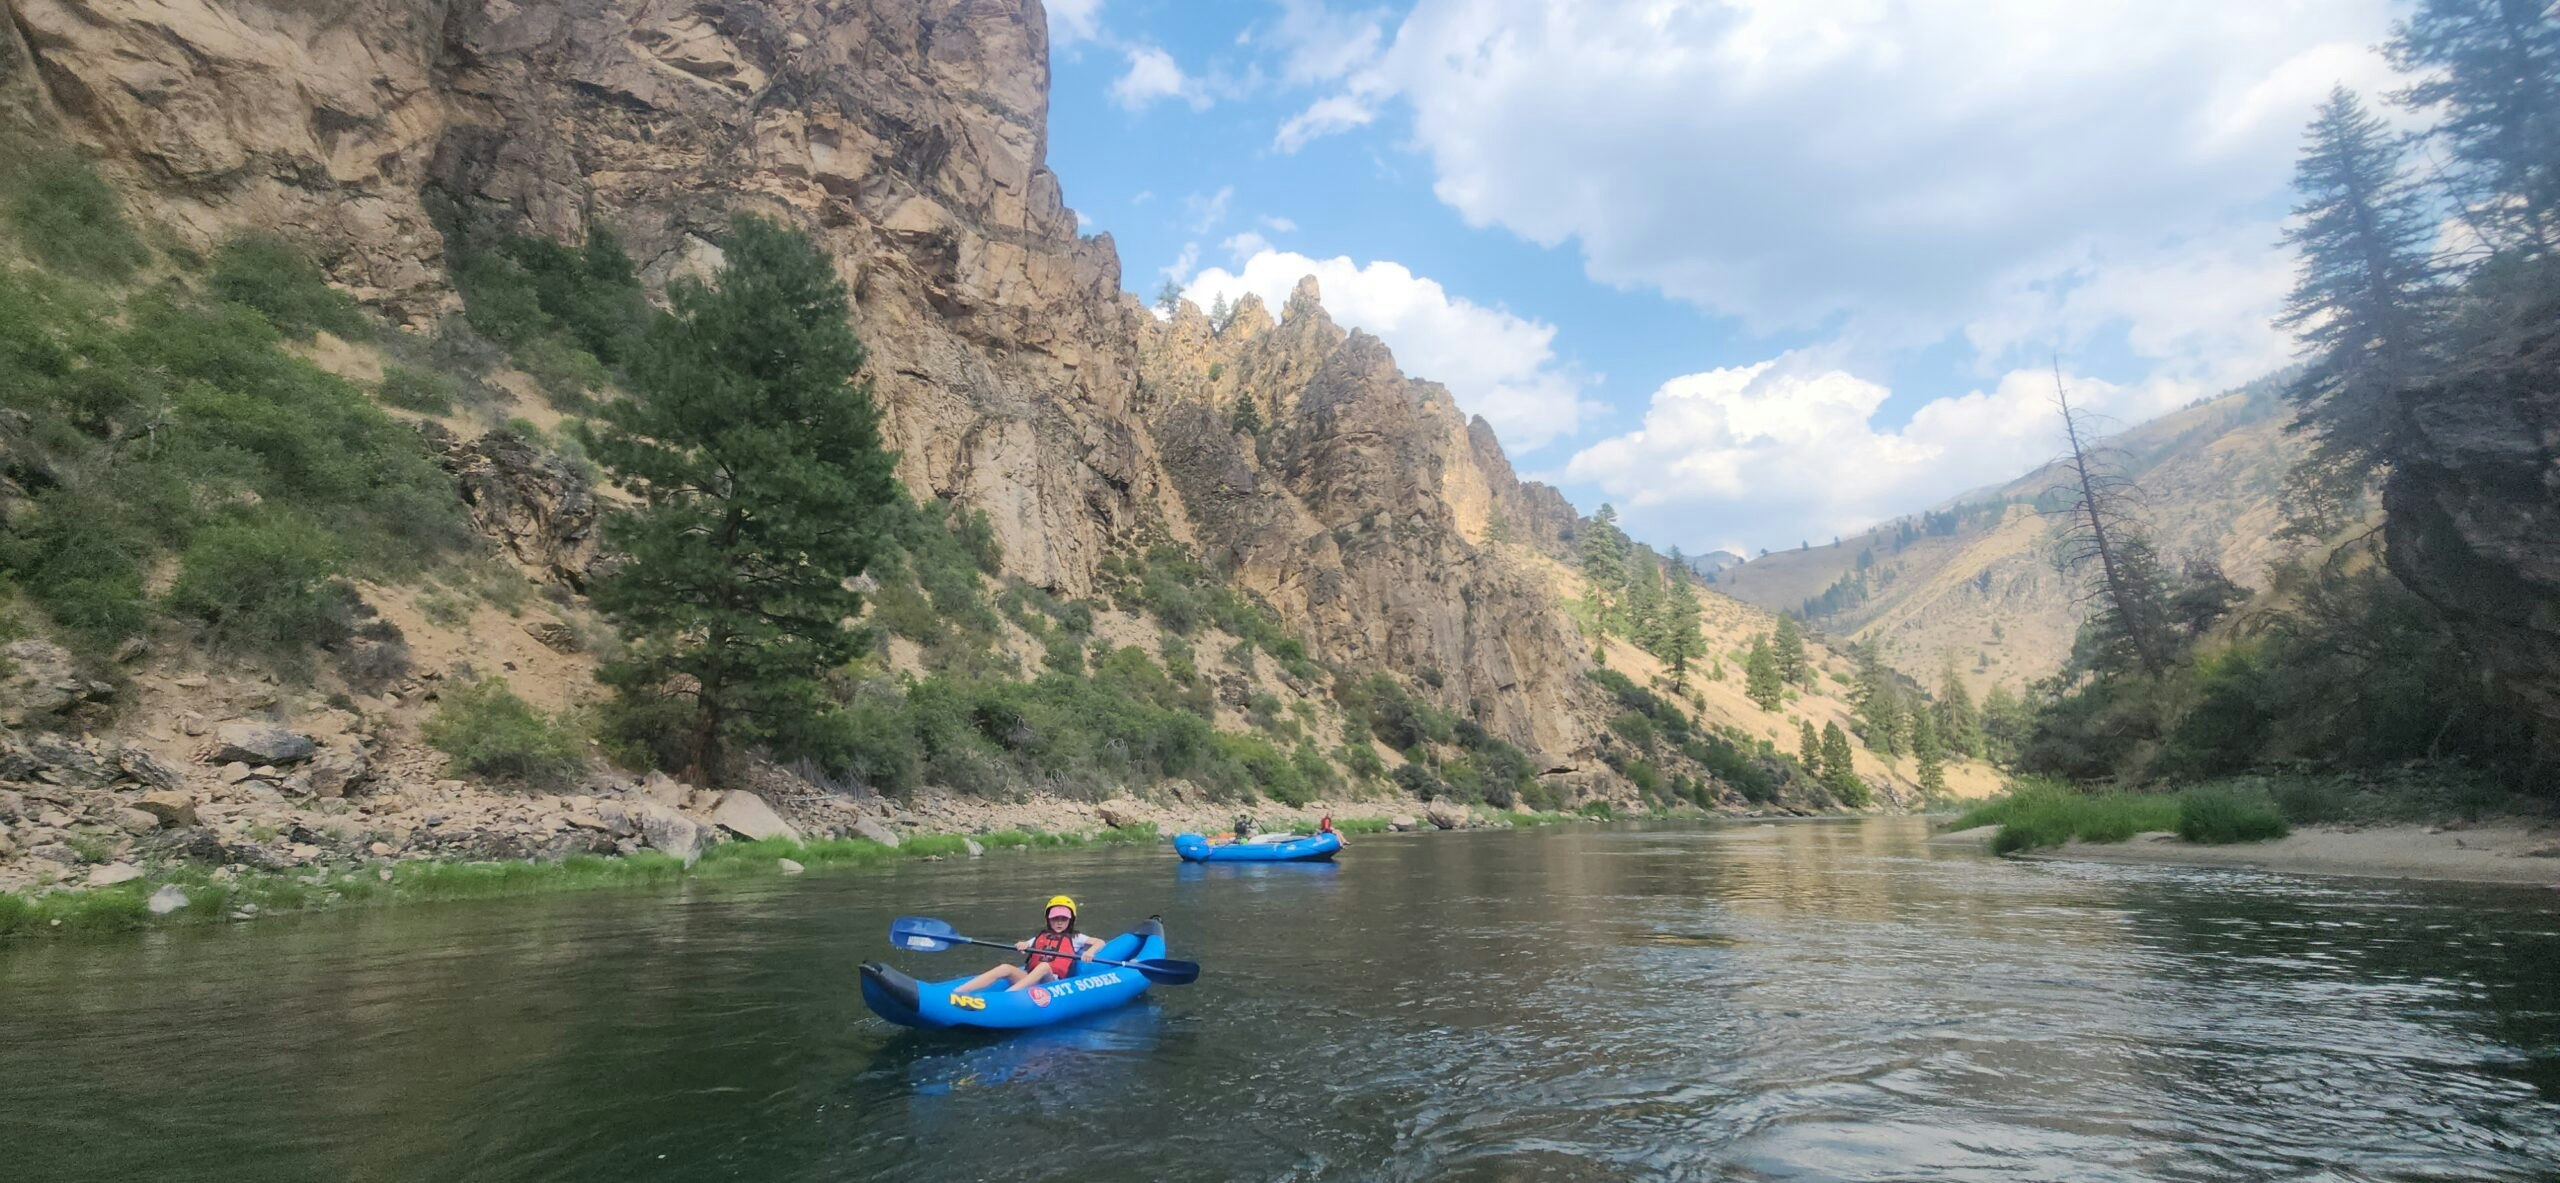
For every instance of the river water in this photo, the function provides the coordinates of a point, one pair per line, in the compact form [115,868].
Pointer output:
[1743,1002]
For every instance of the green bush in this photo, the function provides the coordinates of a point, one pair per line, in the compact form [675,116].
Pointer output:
[418,390]
[2222,817]
[2037,812]
[487,731]
[67,218]
[267,581]
[266,274]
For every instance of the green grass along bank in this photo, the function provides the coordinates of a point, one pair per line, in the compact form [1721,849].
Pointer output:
[212,895]
[2039,813]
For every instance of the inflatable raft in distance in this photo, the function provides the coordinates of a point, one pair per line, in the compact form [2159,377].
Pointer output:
[1311,848]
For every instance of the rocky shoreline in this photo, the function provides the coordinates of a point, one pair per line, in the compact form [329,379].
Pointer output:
[317,806]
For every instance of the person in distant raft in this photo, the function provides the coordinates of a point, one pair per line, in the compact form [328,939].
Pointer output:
[1053,953]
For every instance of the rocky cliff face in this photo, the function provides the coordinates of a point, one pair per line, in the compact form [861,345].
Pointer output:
[1363,509]
[909,136]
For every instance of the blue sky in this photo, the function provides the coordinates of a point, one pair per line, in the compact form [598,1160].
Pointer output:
[1754,270]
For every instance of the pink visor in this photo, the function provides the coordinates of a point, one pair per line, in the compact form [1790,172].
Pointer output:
[1062,910]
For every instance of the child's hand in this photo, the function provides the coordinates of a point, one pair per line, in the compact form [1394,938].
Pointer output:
[1022,946]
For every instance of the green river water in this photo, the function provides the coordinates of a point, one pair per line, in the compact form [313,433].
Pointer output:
[1744,1002]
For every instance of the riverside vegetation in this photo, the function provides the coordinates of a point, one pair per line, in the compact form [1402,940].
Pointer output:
[2346,691]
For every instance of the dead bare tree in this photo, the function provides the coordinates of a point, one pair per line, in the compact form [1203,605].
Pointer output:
[2106,535]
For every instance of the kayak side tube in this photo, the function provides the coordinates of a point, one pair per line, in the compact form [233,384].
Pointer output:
[1094,988]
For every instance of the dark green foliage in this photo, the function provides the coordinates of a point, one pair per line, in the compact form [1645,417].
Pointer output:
[1959,725]
[66,217]
[2211,816]
[158,426]
[571,316]
[1840,768]
[1185,595]
[1877,694]
[1762,680]
[418,390]
[488,731]
[1926,752]
[266,581]
[2356,672]
[2360,305]
[1634,728]
[267,274]
[2491,70]
[756,458]
[1788,649]
[1417,781]
[1247,418]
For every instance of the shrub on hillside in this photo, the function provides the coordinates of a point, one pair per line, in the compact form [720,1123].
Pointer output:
[267,274]
[487,731]
[267,582]
[67,218]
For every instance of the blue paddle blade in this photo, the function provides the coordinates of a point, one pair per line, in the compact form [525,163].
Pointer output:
[1168,972]
[923,934]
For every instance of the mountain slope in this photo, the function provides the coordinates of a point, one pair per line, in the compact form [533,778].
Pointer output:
[1973,584]
[1373,531]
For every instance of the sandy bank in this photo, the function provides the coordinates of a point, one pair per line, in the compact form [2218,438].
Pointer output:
[2500,852]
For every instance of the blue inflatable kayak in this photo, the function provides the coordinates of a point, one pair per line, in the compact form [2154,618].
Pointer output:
[1194,848]
[934,1005]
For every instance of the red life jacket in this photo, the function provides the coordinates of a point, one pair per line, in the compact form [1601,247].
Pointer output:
[1057,948]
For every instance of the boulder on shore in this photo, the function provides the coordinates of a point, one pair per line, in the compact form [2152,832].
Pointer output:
[746,815]
[1120,813]
[871,828]
[260,743]
[672,833]
[1445,816]
[172,807]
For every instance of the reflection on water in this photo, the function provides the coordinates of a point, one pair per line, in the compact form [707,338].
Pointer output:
[1808,1001]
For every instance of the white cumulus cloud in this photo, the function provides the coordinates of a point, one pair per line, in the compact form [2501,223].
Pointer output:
[1496,364]
[1154,75]
[1071,21]
[1788,449]
[1893,162]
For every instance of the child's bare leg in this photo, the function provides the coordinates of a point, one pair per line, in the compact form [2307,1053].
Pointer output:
[989,978]
[1033,978]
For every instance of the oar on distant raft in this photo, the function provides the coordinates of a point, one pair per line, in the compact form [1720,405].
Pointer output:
[924,934]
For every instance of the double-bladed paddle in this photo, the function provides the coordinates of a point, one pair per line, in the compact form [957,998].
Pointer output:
[924,934]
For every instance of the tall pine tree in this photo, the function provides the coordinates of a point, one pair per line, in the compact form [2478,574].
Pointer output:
[1760,676]
[1809,747]
[1879,703]
[1682,642]
[763,490]
[2358,305]
[1924,748]
[1792,664]
[1959,728]
[1840,768]
[2490,71]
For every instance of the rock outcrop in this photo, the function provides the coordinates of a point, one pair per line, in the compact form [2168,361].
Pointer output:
[1363,510]
[909,137]
[2472,504]
[529,500]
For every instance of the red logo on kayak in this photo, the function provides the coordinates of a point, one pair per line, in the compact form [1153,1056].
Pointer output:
[1039,996]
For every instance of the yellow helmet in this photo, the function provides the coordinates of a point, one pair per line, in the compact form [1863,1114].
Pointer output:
[1060,901]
